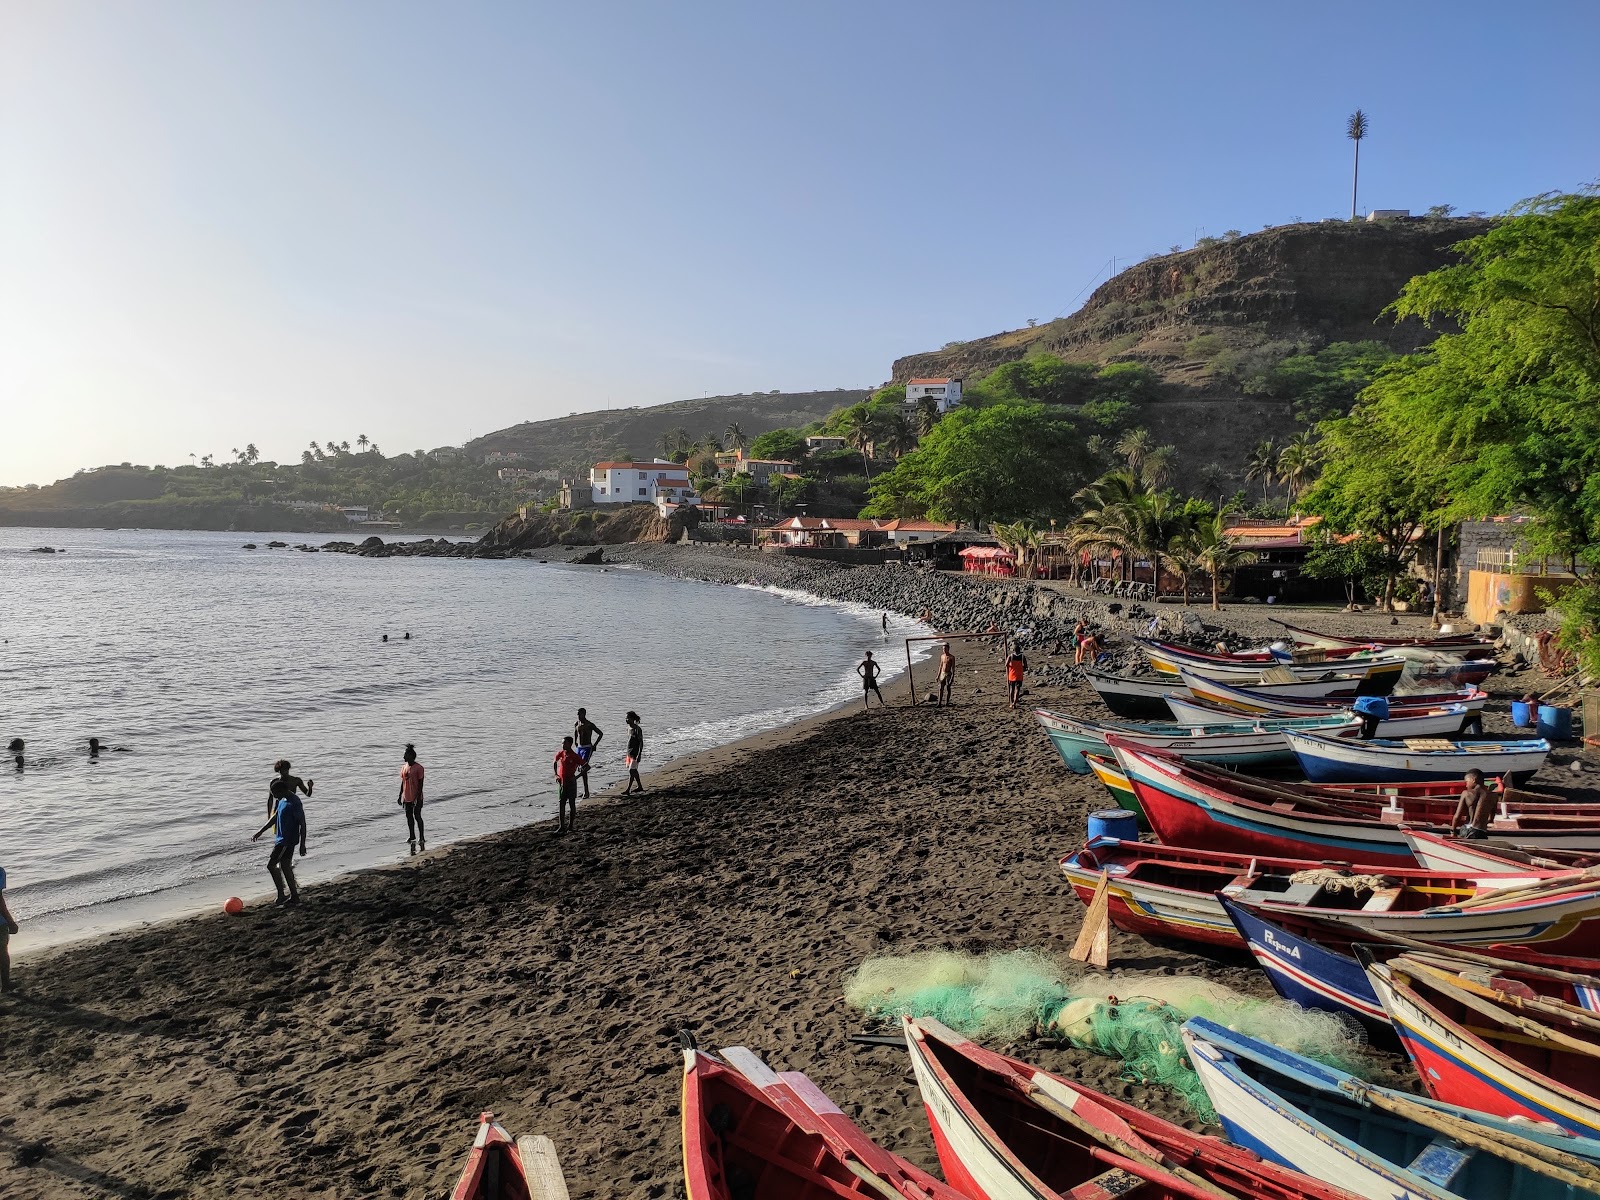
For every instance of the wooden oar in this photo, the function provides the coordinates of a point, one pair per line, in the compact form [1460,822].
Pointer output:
[1564,884]
[1094,939]
[1494,1011]
[1535,1156]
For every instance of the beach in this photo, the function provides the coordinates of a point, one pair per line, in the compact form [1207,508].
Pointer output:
[346,1048]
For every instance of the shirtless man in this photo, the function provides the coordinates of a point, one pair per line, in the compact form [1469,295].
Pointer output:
[1477,806]
[285,783]
[868,670]
[586,734]
[947,675]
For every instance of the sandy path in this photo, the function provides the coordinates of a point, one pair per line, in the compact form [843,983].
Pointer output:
[345,1049]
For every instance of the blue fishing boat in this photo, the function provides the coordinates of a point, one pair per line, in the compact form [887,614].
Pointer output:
[1376,1142]
[1382,760]
[1252,743]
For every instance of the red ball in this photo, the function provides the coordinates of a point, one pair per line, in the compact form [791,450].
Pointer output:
[233,906]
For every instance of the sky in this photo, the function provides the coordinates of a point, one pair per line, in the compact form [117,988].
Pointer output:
[244,221]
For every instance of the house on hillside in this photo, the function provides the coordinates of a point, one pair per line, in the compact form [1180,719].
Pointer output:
[822,443]
[946,391]
[659,482]
[498,457]
[762,470]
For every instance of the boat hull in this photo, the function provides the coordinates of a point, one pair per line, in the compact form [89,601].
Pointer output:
[1446,720]
[1242,744]
[1134,698]
[1346,760]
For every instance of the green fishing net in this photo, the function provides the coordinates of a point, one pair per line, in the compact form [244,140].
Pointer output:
[1134,1017]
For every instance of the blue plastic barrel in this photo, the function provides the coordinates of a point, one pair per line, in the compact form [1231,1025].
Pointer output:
[1521,714]
[1555,724]
[1114,823]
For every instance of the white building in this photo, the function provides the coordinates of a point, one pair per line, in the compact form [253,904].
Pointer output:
[495,457]
[821,443]
[946,391]
[655,483]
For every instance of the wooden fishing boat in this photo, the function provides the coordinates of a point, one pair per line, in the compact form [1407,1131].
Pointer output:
[1192,804]
[1303,967]
[1378,1143]
[1005,1130]
[1335,686]
[1433,721]
[1256,744]
[1334,760]
[1457,645]
[1171,892]
[1137,697]
[1110,775]
[1272,700]
[1440,853]
[1450,673]
[502,1168]
[749,1132]
[1378,673]
[1493,1049]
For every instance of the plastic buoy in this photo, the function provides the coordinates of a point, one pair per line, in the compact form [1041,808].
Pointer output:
[233,906]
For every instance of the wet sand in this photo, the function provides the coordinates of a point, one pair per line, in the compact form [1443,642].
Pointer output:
[346,1048]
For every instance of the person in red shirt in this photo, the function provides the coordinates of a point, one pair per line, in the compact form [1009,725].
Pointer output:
[568,765]
[411,797]
[1016,668]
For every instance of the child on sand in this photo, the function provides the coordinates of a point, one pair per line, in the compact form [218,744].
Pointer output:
[1016,668]
[567,765]
[411,797]
[8,926]
[290,820]
[635,753]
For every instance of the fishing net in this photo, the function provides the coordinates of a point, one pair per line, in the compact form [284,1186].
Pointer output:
[1133,1017]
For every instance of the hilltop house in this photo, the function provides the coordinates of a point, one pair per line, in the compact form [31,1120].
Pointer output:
[946,391]
[659,482]
[821,443]
[761,470]
[496,457]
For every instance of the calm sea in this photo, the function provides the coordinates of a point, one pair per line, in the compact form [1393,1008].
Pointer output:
[202,663]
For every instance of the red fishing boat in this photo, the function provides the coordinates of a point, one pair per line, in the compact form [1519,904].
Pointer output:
[1005,1130]
[500,1168]
[752,1134]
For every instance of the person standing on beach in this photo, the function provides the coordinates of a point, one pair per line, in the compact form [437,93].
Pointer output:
[290,820]
[635,753]
[868,670]
[1016,668]
[8,926]
[568,763]
[885,622]
[285,781]
[947,675]
[587,734]
[411,774]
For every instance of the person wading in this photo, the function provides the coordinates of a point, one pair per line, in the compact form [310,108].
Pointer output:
[635,754]
[868,670]
[567,765]
[411,774]
[587,735]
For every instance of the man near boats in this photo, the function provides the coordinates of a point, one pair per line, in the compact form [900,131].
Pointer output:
[635,753]
[587,735]
[868,670]
[1476,806]
[947,674]
[289,818]
[567,765]
[411,775]
[1016,668]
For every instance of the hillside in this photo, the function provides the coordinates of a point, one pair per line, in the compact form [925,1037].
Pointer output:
[570,444]
[1186,314]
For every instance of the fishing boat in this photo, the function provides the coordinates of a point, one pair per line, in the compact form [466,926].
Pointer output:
[1172,892]
[1005,1130]
[1377,674]
[1494,1049]
[1138,697]
[1268,701]
[1440,853]
[1246,743]
[1193,804]
[1457,645]
[502,1168]
[1378,1143]
[1110,775]
[1452,673]
[1431,721]
[749,1132]
[1303,966]
[1335,688]
[1326,759]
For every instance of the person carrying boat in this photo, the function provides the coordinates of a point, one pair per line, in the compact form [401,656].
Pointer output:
[1016,668]
[587,735]
[635,753]
[285,780]
[568,763]
[947,674]
[1476,806]
[868,670]
[411,775]
[289,818]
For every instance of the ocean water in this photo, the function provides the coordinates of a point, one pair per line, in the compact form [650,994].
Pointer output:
[201,663]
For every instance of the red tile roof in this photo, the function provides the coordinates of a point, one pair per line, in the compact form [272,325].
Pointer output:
[899,524]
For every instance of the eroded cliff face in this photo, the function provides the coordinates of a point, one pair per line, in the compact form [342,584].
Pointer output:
[586,527]
[1312,283]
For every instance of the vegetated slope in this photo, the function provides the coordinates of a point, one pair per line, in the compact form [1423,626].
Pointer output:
[1308,284]
[572,443]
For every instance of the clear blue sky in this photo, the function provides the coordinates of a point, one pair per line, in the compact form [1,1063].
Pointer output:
[235,221]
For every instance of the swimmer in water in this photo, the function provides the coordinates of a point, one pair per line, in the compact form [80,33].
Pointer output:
[14,748]
[386,637]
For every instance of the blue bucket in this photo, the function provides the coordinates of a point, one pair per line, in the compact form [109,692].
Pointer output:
[1555,724]
[1114,823]
[1521,714]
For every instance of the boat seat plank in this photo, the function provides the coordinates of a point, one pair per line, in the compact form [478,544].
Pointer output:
[1441,1161]
[1382,900]
[1109,1185]
[542,1167]
[1429,743]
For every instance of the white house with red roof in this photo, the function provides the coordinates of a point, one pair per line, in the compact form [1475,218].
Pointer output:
[947,391]
[659,482]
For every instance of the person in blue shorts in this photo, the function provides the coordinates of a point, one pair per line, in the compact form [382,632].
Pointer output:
[290,820]
[586,735]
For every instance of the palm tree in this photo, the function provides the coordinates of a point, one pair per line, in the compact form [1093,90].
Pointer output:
[1134,445]
[735,437]
[899,435]
[1156,468]
[1022,539]
[1103,522]
[1217,553]
[1355,128]
[861,430]
[673,442]
[1297,462]
[251,454]
[361,441]
[316,450]
[372,448]
[1263,465]
[928,415]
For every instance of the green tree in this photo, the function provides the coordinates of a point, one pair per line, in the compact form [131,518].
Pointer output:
[861,430]
[1262,464]
[1211,549]
[1297,462]
[1131,383]
[1349,561]
[782,445]
[928,414]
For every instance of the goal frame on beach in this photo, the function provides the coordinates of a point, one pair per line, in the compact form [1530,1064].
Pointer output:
[911,678]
